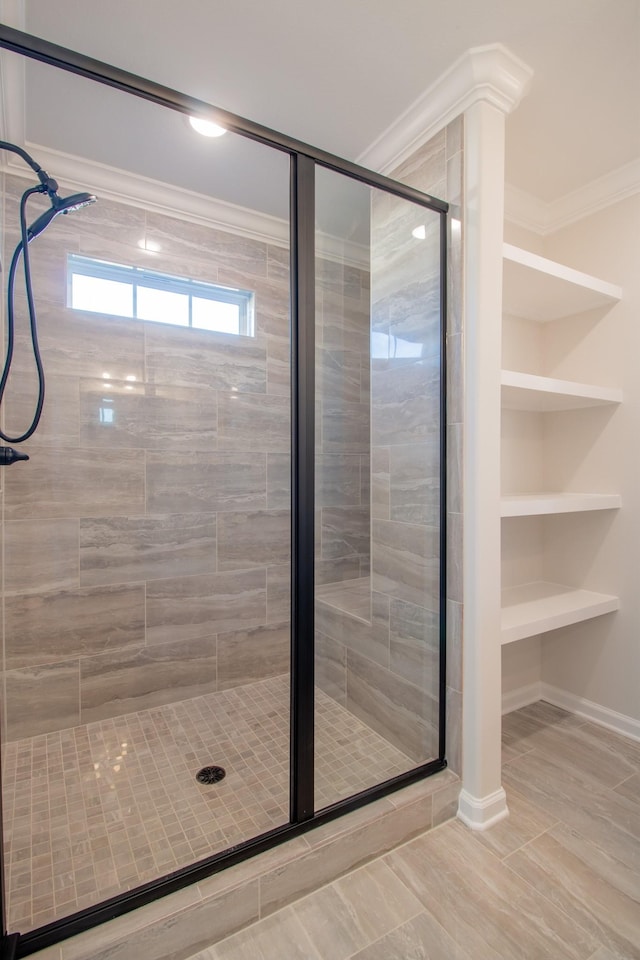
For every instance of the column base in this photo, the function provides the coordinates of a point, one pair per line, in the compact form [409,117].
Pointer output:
[480,813]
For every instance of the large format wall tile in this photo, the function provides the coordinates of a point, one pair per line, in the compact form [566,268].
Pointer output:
[109,221]
[336,278]
[125,549]
[331,667]
[183,238]
[338,481]
[253,422]
[278,263]
[345,323]
[400,711]
[345,427]
[278,481]
[405,404]
[271,302]
[278,366]
[380,483]
[369,638]
[200,482]
[40,555]
[405,562]
[131,414]
[245,656]
[338,374]
[260,537]
[345,531]
[278,592]
[42,698]
[76,343]
[123,681]
[46,627]
[333,571]
[191,607]
[197,358]
[60,420]
[415,482]
[415,644]
[75,483]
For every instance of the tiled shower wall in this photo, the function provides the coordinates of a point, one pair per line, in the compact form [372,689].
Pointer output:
[146,559]
[343,515]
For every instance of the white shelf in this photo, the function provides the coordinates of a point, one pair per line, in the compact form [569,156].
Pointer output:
[531,505]
[525,391]
[544,290]
[534,608]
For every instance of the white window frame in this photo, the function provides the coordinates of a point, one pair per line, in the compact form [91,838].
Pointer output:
[140,276]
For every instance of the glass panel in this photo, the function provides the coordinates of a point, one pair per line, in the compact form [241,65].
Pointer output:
[377,486]
[146,541]
[101,296]
[162,306]
[214,315]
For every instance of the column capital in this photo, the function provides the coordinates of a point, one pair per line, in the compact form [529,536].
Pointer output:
[491,73]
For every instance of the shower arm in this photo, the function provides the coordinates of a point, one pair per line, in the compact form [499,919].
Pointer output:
[47,183]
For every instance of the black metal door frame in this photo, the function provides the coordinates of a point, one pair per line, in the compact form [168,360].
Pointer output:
[304,159]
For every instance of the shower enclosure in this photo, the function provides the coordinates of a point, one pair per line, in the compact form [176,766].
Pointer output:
[223,564]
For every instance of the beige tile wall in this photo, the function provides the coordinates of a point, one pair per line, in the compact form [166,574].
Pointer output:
[342,422]
[148,560]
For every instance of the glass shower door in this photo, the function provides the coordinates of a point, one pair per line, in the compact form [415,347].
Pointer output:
[378,473]
[147,539]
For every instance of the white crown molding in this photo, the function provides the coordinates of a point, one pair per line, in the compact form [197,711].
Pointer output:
[490,73]
[122,186]
[525,210]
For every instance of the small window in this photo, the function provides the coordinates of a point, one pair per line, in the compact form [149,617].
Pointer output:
[98,286]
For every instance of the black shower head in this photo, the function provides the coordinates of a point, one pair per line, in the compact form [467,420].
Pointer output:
[59,205]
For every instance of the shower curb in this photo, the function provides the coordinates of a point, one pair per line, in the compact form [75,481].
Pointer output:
[183,923]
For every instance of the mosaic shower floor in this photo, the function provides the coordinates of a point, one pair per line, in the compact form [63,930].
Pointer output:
[94,810]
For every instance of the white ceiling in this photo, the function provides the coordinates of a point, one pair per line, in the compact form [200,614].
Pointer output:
[336,73]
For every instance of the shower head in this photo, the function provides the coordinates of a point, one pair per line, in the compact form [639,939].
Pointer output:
[58,205]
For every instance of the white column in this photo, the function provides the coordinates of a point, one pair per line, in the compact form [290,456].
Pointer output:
[482,799]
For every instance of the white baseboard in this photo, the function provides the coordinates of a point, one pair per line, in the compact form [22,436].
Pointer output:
[480,813]
[581,707]
[521,697]
[603,716]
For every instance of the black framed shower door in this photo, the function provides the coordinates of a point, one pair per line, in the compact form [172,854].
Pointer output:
[397,352]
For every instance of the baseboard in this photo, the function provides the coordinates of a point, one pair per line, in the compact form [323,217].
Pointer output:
[480,813]
[522,697]
[603,716]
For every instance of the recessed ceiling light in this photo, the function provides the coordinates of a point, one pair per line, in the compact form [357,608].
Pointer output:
[206,127]
[420,233]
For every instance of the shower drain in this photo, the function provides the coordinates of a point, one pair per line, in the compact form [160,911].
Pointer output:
[211,775]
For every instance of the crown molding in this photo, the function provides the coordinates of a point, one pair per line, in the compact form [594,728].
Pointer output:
[525,210]
[489,73]
[111,183]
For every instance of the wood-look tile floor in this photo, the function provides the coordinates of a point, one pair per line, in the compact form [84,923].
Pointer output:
[95,810]
[558,880]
